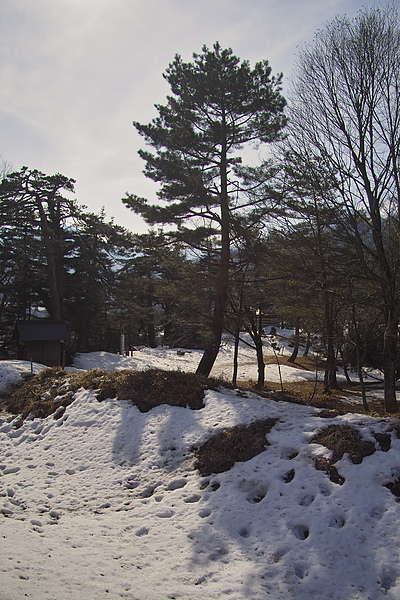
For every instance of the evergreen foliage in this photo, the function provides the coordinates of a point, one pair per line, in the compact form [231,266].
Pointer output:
[218,106]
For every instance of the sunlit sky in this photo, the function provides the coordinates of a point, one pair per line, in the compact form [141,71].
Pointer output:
[74,74]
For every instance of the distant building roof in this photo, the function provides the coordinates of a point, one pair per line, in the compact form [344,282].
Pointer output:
[42,329]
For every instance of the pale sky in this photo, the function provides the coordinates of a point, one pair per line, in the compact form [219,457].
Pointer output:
[74,74]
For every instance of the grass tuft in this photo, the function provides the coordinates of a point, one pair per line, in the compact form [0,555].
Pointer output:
[238,444]
[342,439]
[44,393]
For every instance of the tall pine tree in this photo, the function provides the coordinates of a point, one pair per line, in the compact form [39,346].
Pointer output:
[219,105]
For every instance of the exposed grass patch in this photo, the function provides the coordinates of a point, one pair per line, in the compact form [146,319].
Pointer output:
[394,487]
[305,363]
[147,389]
[41,394]
[311,393]
[344,439]
[341,439]
[45,393]
[238,444]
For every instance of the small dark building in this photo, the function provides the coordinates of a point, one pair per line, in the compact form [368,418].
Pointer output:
[41,341]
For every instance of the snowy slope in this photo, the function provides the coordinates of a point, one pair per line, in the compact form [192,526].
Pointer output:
[105,503]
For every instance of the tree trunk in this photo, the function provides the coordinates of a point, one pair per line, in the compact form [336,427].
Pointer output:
[330,381]
[210,354]
[237,332]
[308,344]
[295,352]
[260,361]
[151,330]
[48,243]
[359,362]
[235,355]
[389,362]
[254,330]
[54,294]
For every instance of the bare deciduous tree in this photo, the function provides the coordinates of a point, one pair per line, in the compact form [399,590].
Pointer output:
[345,110]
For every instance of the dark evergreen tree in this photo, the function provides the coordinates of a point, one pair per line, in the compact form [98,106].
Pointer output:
[218,105]
[30,197]
[98,251]
[158,291]
[56,257]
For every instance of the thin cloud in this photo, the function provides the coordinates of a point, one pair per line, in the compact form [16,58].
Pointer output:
[74,75]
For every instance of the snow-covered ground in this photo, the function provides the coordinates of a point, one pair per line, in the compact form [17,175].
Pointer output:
[105,503]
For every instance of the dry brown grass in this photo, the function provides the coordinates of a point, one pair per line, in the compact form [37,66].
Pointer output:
[344,439]
[53,388]
[310,393]
[40,395]
[306,363]
[237,444]
[146,389]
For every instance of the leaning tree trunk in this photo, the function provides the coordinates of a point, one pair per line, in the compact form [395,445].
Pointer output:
[217,325]
[210,354]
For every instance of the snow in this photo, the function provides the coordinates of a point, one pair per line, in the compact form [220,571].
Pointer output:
[105,503]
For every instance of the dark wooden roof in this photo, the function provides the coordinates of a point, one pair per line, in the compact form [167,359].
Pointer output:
[42,329]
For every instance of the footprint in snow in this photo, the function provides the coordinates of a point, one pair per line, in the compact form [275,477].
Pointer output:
[388,578]
[377,512]
[36,523]
[337,521]
[205,512]
[289,453]
[166,514]
[325,491]
[7,512]
[307,500]
[149,490]
[191,499]
[256,490]
[11,470]
[176,484]
[301,569]
[244,532]
[301,532]
[280,553]
[289,476]
[214,486]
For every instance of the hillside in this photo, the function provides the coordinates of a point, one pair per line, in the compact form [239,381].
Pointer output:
[102,500]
